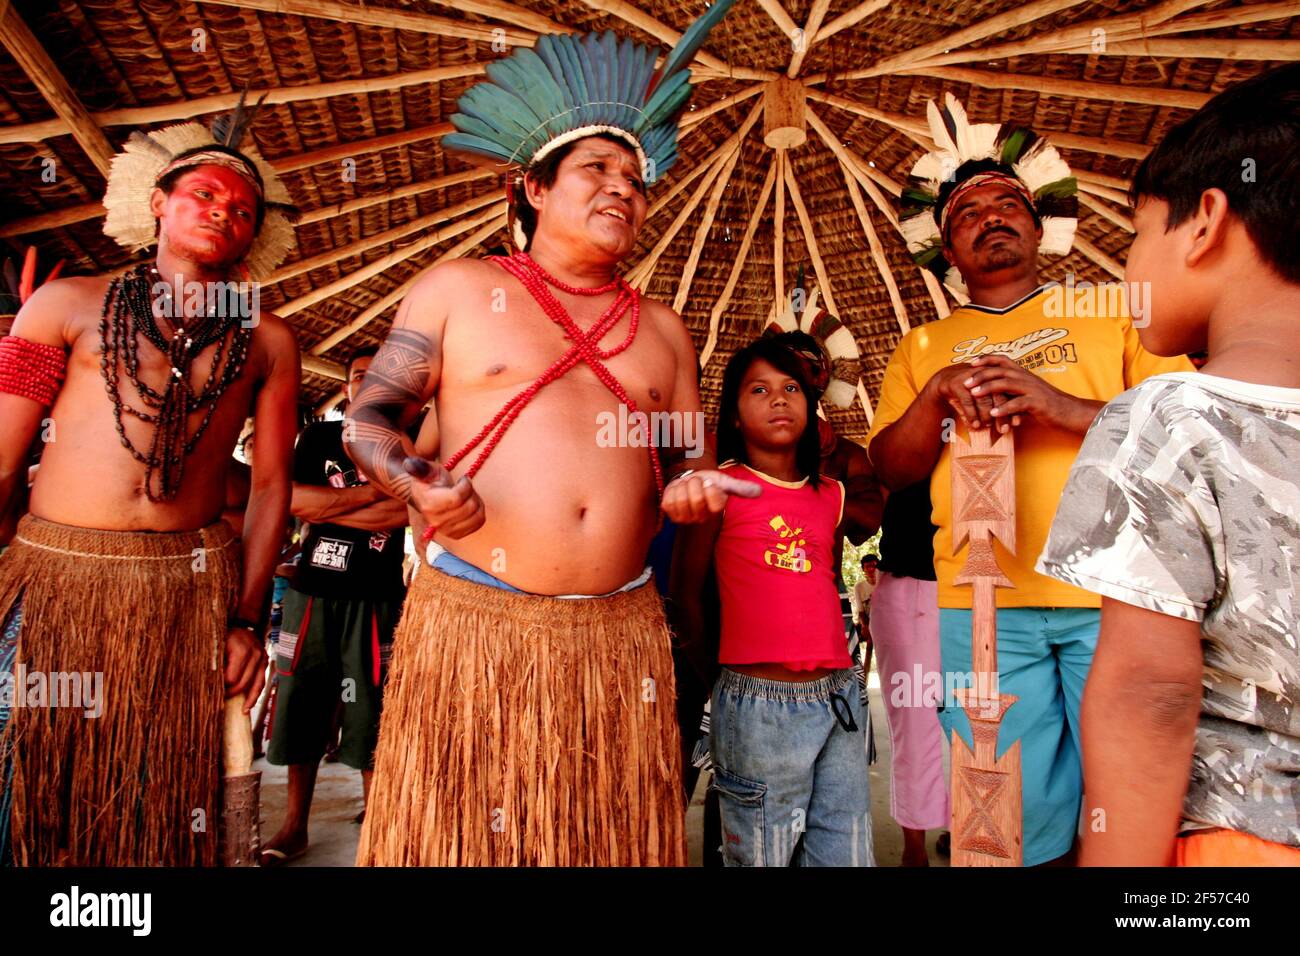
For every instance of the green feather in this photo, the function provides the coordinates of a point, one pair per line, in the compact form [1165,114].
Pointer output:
[570,59]
[500,109]
[1013,146]
[694,38]
[668,98]
[919,197]
[589,59]
[1061,189]
[475,144]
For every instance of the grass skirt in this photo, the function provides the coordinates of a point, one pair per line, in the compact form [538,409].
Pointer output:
[137,785]
[521,730]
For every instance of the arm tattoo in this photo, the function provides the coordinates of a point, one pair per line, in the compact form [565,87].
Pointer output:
[396,381]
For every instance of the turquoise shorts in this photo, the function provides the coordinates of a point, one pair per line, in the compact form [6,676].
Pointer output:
[1044,655]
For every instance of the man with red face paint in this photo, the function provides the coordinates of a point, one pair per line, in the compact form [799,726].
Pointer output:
[1038,358]
[123,574]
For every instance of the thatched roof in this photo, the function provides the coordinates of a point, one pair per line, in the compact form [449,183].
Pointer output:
[361,92]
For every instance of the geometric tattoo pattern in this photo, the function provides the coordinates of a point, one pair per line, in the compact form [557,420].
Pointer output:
[395,383]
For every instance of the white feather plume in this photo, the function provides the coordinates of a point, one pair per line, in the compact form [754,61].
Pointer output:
[1058,235]
[981,141]
[920,232]
[840,393]
[810,309]
[939,129]
[1041,165]
[841,344]
[933,168]
[787,320]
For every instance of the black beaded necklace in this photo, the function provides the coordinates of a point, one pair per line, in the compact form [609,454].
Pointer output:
[127,314]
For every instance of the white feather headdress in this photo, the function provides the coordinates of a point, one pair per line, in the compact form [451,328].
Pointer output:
[965,150]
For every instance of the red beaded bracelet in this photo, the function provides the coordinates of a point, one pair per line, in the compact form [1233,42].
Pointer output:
[31,369]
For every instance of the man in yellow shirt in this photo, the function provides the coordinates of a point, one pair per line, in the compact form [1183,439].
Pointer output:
[1041,359]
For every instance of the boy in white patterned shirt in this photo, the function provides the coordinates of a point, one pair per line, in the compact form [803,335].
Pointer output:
[1183,509]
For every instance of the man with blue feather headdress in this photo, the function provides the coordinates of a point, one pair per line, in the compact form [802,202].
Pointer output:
[530,713]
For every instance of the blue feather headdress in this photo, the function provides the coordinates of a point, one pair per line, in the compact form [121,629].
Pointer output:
[569,86]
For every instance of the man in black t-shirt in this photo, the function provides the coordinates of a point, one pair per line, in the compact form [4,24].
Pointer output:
[338,618]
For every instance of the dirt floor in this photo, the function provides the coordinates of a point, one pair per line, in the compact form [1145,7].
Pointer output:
[334,835]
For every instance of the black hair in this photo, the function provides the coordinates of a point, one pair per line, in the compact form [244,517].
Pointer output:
[366,351]
[1246,142]
[801,343]
[544,175]
[168,182]
[731,443]
[873,558]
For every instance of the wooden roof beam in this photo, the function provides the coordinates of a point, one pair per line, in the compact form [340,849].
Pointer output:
[1097,37]
[702,231]
[1096,255]
[22,44]
[396,19]
[218,102]
[854,165]
[392,195]
[1122,33]
[850,18]
[1102,209]
[691,117]
[661,31]
[810,239]
[377,308]
[724,300]
[1228,48]
[919,131]
[1015,17]
[640,274]
[806,37]
[778,236]
[331,256]
[1050,86]
[58,218]
[432,238]
[319,366]
[944,50]
[877,250]
[784,22]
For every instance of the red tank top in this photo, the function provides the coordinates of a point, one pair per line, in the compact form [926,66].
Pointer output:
[774,560]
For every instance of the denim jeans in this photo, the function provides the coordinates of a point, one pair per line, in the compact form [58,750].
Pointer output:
[790,770]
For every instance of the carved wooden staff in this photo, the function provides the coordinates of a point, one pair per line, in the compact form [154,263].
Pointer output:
[986,791]
[240,838]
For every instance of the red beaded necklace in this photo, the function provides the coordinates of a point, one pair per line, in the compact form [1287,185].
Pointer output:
[585,349]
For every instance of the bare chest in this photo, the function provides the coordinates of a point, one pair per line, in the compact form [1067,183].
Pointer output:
[490,350]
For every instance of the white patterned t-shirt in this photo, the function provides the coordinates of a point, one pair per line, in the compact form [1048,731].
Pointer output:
[1185,500]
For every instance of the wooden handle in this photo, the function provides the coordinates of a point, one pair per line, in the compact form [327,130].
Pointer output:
[236,739]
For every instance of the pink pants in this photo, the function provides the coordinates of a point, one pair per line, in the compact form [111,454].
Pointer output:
[905,632]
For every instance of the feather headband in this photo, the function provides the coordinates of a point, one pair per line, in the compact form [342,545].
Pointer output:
[148,157]
[568,87]
[966,151]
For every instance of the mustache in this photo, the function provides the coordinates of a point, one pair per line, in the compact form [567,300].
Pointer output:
[994,231]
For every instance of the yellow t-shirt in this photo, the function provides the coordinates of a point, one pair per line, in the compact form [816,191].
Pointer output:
[1088,356]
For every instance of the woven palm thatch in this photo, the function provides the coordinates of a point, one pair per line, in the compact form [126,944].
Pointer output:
[360,93]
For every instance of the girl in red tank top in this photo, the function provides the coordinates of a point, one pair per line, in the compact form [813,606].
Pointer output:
[785,711]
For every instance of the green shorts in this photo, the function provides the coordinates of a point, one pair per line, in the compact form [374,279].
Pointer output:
[330,652]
